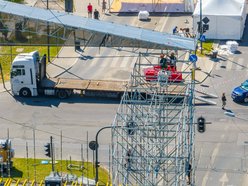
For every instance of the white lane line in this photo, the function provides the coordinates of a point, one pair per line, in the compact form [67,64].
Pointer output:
[239,65]
[230,63]
[219,64]
[212,159]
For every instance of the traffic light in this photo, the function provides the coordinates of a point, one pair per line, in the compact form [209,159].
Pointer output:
[48,149]
[199,27]
[201,126]
[98,164]
[68,5]
[77,46]
[205,27]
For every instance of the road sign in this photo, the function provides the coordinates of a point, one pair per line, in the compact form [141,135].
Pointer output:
[193,58]
[203,38]
[93,145]
[205,20]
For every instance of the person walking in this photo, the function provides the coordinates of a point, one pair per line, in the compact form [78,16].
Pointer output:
[173,60]
[104,6]
[174,30]
[223,99]
[96,14]
[163,62]
[90,9]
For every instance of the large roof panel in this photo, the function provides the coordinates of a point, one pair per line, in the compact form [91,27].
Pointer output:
[122,35]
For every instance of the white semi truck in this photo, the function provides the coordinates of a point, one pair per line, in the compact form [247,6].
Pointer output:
[28,78]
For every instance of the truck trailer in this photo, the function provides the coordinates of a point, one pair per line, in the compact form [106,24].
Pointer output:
[28,78]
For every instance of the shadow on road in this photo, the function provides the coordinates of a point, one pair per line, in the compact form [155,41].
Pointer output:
[51,101]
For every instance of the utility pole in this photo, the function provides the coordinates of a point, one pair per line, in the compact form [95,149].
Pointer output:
[48,39]
[52,156]
[201,29]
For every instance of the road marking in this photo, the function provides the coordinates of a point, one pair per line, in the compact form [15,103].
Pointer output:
[230,63]
[224,179]
[218,65]
[213,156]
[164,22]
[240,65]
[246,66]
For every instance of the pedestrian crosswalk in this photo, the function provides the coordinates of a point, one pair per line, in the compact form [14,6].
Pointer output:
[232,64]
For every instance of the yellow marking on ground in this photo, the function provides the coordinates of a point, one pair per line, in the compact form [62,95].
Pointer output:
[17,183]
[65,183]
[6,183]
[41,183]
[149,1]
[32,184]
[24,183]
[116,5]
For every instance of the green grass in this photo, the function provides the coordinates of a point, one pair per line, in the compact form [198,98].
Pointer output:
[24,169]
[17,1]
[8,53]
[206,48]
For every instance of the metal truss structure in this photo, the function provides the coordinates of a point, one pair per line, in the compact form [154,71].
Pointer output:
[24,25]
[153,131]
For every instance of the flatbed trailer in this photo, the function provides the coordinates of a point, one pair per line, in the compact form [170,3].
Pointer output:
[102,88]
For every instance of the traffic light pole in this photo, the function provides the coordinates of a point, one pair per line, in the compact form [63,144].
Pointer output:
[52,156]
[96,162]
[201,27]
[48,38]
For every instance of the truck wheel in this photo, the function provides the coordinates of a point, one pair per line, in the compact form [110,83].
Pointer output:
[246,100]
[62,94]
[25,92]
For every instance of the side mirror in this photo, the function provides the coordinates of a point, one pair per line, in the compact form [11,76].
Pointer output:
[12,74]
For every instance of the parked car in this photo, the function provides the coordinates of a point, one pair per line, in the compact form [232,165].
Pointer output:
[240,93]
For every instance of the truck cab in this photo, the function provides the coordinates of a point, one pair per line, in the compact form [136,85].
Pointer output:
[240,93]
[24,73]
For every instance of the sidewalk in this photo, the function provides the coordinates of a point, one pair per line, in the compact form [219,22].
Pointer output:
[205,64]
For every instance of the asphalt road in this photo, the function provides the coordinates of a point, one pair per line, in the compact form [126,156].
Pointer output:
[221,152]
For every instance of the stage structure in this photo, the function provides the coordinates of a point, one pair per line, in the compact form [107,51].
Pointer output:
[25,25]
[153,131]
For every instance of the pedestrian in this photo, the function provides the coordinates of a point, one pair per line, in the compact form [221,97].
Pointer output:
[181,32]
[90,9]
[104,6]
[163,62]
[174,31]
[96,14]
[223,98]
[188,173]
[173,60]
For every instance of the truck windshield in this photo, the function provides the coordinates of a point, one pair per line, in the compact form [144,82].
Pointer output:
[17,72]
[245,85]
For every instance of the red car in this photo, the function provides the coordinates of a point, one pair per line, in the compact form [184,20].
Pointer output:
[151,74]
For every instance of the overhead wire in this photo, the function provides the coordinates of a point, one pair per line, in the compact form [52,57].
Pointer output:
[44,131]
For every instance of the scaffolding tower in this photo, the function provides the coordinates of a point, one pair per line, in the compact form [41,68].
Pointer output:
[153,131]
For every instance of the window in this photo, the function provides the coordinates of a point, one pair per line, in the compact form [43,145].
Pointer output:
[17,72]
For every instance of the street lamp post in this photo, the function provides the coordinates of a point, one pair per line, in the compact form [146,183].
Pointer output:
[96,162]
